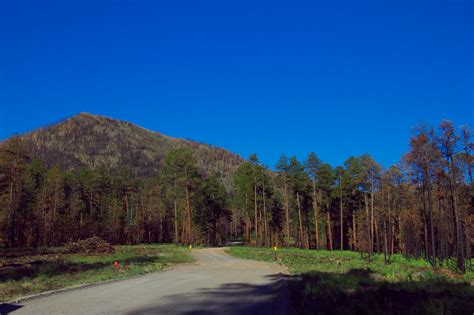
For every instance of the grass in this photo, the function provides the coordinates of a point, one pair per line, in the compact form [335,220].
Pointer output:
[341,282]
[38,273]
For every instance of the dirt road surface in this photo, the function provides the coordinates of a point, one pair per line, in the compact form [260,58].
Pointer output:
[217,284]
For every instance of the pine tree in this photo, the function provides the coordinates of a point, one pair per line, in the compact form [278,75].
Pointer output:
[312,166]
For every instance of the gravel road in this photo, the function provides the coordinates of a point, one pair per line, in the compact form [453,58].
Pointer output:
[217,284]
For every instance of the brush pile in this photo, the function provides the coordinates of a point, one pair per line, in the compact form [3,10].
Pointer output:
[90,246]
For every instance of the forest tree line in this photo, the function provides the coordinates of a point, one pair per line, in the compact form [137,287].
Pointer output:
[421,207]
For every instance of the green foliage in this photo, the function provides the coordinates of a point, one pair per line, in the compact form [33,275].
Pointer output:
[312,165]
[325,180]
[243,186]
[254,199]
[215,208]
[180,171]
[298,178]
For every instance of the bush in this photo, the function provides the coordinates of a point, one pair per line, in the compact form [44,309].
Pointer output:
[90,246]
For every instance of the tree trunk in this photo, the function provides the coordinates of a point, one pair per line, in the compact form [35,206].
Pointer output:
[392,251]
[341,214]
[385,250]
[354,232]
[316,214]
[389,230]
[176,233]
[457,224]
[369,244]
[372,213]
[265,216]
[247,219]
[183,229]
[260,229]
[247,229]
[189,215]
[287,215]
[127,229]
[255,208]
[377,235]
[457,219]
[11,233]
[301,241]
[329,226]
[430,209]
[425,226]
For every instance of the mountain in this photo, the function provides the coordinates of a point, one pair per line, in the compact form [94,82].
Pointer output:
[87,140]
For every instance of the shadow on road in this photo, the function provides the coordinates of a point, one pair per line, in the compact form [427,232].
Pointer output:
[231,298]
[6,308]
[354,292]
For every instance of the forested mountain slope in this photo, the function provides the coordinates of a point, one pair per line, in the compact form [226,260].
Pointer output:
[89,141]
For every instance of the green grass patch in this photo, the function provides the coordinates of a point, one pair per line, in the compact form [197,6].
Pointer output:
[38,273]
[342,282]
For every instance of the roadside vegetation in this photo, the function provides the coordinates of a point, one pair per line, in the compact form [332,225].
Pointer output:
[28,271]
[343,282]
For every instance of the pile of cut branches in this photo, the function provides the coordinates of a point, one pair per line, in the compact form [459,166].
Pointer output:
[90,246]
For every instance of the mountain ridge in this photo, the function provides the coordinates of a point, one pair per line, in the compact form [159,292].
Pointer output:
[88,140]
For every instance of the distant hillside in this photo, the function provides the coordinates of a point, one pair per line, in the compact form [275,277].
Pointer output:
[87,140]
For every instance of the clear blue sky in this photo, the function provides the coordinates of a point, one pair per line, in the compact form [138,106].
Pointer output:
[339,78]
